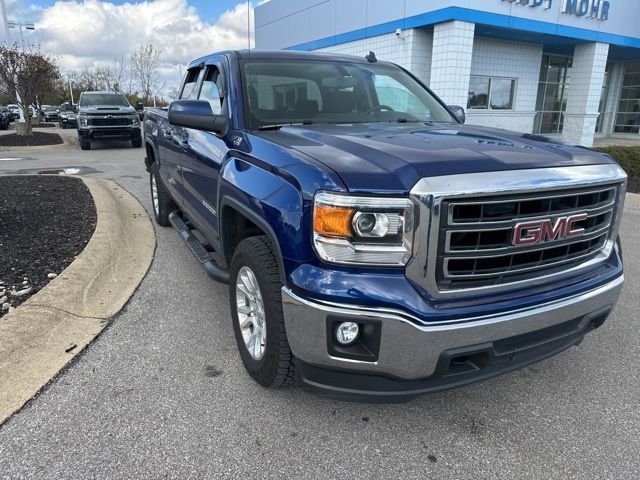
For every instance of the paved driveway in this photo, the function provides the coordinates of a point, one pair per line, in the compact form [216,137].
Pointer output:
[162,394]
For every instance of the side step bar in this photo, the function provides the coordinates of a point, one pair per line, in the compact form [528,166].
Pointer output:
[213,270]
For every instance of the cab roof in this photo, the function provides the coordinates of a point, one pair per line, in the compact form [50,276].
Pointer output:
[285,55]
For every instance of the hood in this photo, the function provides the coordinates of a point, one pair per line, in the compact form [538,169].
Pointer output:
[378,158]
[107,110]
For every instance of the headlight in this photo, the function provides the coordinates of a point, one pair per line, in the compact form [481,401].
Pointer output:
[63,115]
[83,121]
[362,230]
[135,121]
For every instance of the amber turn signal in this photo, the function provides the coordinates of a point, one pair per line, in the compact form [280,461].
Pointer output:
[332,221]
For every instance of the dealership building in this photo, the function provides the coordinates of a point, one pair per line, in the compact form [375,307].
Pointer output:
[566,68]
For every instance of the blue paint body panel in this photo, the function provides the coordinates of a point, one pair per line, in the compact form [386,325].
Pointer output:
[271,177]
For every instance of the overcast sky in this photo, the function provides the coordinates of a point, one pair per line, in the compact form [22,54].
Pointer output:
[83,33]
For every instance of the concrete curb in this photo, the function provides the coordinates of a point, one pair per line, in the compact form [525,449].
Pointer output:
[49,329]
[632,201]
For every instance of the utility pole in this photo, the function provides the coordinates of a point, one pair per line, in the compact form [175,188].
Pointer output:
[71,91]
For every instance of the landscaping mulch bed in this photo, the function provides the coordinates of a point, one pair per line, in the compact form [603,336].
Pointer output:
[38,138]
[45,222]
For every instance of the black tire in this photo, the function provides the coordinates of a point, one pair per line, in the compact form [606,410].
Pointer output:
[63,126]
[275,368]
[136,143]
[85,144]
[165,204]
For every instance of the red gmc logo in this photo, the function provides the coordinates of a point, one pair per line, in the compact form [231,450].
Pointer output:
[531,233]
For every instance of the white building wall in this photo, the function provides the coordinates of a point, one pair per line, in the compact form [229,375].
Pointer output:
[581,115]
[451,61]
[521,61]
[411,50]
[615,87]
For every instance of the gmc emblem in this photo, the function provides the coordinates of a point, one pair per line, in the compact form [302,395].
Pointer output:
[531,233]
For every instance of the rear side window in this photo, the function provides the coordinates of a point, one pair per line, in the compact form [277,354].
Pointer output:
[189,89]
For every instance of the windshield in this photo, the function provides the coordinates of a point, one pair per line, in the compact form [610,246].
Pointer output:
[317,91]
[110,99]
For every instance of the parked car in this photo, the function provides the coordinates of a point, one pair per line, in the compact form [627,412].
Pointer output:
[67,115]
[50,113]
[374,244]
[107,116]
[15,111]
[5,118]
[140,110]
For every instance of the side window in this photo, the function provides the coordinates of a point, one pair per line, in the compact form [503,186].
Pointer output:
[212,89]
[189,89]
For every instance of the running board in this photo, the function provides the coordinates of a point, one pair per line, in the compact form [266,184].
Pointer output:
[213,270]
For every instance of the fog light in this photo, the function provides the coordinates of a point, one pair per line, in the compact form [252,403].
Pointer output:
[347,333]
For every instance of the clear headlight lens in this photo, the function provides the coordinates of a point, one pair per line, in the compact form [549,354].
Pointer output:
[83,121]
[135,121]
[362,230]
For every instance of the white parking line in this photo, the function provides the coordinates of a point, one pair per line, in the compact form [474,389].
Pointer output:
[10,158]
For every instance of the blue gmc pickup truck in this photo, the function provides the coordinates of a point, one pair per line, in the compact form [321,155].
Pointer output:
[375,247]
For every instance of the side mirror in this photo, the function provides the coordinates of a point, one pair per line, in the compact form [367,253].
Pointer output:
[458,112]
[197,114]
[139,107]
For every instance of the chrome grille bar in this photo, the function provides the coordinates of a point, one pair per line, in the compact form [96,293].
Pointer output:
[496,264]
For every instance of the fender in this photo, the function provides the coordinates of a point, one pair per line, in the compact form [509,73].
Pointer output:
[228,201]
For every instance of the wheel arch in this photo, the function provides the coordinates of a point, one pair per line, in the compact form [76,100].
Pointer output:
[232,232]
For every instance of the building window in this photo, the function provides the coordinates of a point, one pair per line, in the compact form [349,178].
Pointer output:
[555,75]
[493,93]
[628,117]
[603,97]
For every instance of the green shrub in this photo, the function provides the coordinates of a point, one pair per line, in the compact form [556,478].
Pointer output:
[627,157]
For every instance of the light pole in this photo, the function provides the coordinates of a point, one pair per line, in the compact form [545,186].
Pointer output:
[5,22]
[18,25]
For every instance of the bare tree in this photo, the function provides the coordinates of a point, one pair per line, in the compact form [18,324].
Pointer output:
[119,71]
[145,70]
[29,73]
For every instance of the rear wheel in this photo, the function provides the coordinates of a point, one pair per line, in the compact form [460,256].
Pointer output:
[256,311]
[161,201]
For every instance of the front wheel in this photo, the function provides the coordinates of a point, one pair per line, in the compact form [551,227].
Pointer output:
[136,143]
[256,311]
[85,144]
[161,201]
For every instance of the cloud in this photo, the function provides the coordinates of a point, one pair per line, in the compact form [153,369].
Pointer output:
[94,30]
[93,33]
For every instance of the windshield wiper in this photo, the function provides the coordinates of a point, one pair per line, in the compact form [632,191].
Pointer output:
[278,126]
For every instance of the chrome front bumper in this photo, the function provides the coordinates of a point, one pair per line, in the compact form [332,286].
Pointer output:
[409,351]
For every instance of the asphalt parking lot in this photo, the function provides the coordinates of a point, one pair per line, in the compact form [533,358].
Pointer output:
[162,392]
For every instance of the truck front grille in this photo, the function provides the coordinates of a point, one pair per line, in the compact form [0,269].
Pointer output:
[478,244]
[110,122]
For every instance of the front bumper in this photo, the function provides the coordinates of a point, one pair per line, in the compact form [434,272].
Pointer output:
[110,133]
[413,359]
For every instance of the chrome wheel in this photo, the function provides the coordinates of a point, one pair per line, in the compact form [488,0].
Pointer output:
[251,316]
[154,195]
